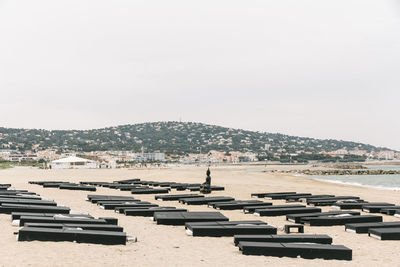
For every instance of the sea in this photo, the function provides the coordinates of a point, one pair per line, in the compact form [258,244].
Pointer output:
[385,182]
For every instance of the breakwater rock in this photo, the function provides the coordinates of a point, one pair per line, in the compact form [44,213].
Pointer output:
[339,172]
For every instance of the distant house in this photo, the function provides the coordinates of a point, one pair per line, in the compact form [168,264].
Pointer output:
[73,162]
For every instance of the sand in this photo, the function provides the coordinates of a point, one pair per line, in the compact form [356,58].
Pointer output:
[169,245]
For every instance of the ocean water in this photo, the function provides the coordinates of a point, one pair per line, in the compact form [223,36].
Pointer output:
[386,182]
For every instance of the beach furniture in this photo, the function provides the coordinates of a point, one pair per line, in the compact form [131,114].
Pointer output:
[284,196]
[166,184]
[96,227]
[17,215]
[59,219]
[213,188]
[296,218]
[122,208]
[218,229]
[385,233]
[94,183]
[176,185]
[33,197]
[42,182]
[17,192]
[52,185]
[294,238]
[358,205]
[72,235]
[204,200]
[8,208]
[295,198]
[235,204]
[362,228]
[182,187]
[125,187]
[149,212]
[112,206]
[96,198]
[283,211]
[150,191]
[377,209]
[180,218]
[175,197]
[390,210]
[339,220]
[116,202]
[304,199]
[294,250]
[27,201]
[252,208]
[331,200]
[262,195]
[127,181]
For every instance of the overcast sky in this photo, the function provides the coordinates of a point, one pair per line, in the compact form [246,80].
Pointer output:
[324,69]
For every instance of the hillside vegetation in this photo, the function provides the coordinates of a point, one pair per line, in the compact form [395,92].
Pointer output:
[169,137]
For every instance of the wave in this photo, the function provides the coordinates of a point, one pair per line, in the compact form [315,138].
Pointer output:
[380,187]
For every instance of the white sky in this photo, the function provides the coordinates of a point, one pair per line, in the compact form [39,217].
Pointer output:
[325,69]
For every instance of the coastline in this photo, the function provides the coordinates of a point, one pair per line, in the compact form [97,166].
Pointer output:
[170,246]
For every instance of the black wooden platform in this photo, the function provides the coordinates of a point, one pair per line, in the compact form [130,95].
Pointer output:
[339,220]
[294,238]
[180,218]
[294,250]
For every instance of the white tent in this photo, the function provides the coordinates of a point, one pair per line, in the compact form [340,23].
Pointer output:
[73,162]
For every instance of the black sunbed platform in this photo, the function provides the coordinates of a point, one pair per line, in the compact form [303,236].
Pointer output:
[33,197]
[304,199]
[294,250]
[79,236]
[204,200]
[262,195]
[213,188]
[385,233]
[377,209]
[389,211]
[33,219]
[180,218]
[149,212]
[8,208]
[121,209]
[106,202]
[359,205]
[339,220]
[176,197]
[96,198]
[284,196]
[296,218]
[251,208]
[150,191]
[280,212]
[295,238]
[17,215]
[217,229]
[362,228]
[112,206]
[27,202]
[331,201]
[236,204]
[78,187]
[96,227]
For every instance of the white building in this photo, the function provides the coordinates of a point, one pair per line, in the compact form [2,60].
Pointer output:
[154,156]
[73,162]
[386,154]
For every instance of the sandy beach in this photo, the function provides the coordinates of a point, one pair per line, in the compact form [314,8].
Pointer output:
[169,245]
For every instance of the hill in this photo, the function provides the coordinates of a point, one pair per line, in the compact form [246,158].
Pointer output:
[169,137]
